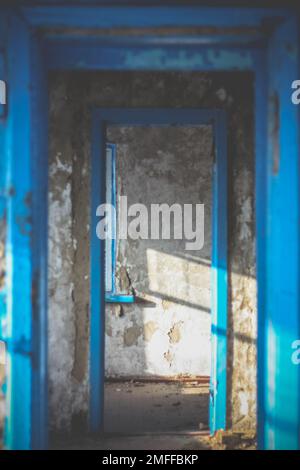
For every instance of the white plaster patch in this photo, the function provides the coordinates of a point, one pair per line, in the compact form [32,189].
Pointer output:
[58,165]
[244,403]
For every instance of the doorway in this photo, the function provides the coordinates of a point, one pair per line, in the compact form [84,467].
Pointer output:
[158,351]
[275,63]
[157,260]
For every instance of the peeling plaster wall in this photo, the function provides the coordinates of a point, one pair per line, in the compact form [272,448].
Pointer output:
[72,95]
[68,393]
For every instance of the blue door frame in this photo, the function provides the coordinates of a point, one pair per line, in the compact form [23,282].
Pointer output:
[23,136]
[161,117]
[26,55]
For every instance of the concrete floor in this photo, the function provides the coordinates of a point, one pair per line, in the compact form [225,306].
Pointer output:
[155,416]
[143,407]
[149,416]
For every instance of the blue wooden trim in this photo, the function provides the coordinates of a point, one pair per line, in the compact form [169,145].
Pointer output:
[103,117]
[97,294]
[145,16]
[112,242]
[218,381]
[19,248]
[119,298]
[26,243]
[281,423]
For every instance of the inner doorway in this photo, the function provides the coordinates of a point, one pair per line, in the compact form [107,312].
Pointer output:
[156,260]
[158,278]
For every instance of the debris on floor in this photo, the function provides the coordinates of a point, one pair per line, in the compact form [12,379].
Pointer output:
[173,415]
[232,440]
[140,406]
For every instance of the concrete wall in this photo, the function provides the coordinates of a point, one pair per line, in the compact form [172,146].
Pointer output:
[141,328]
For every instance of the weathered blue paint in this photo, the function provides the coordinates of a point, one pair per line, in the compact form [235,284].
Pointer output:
[145,16]
[26,243]
[162,117]
[91,54]
[281,419]
[193,59]
[18,246]
[219,287]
